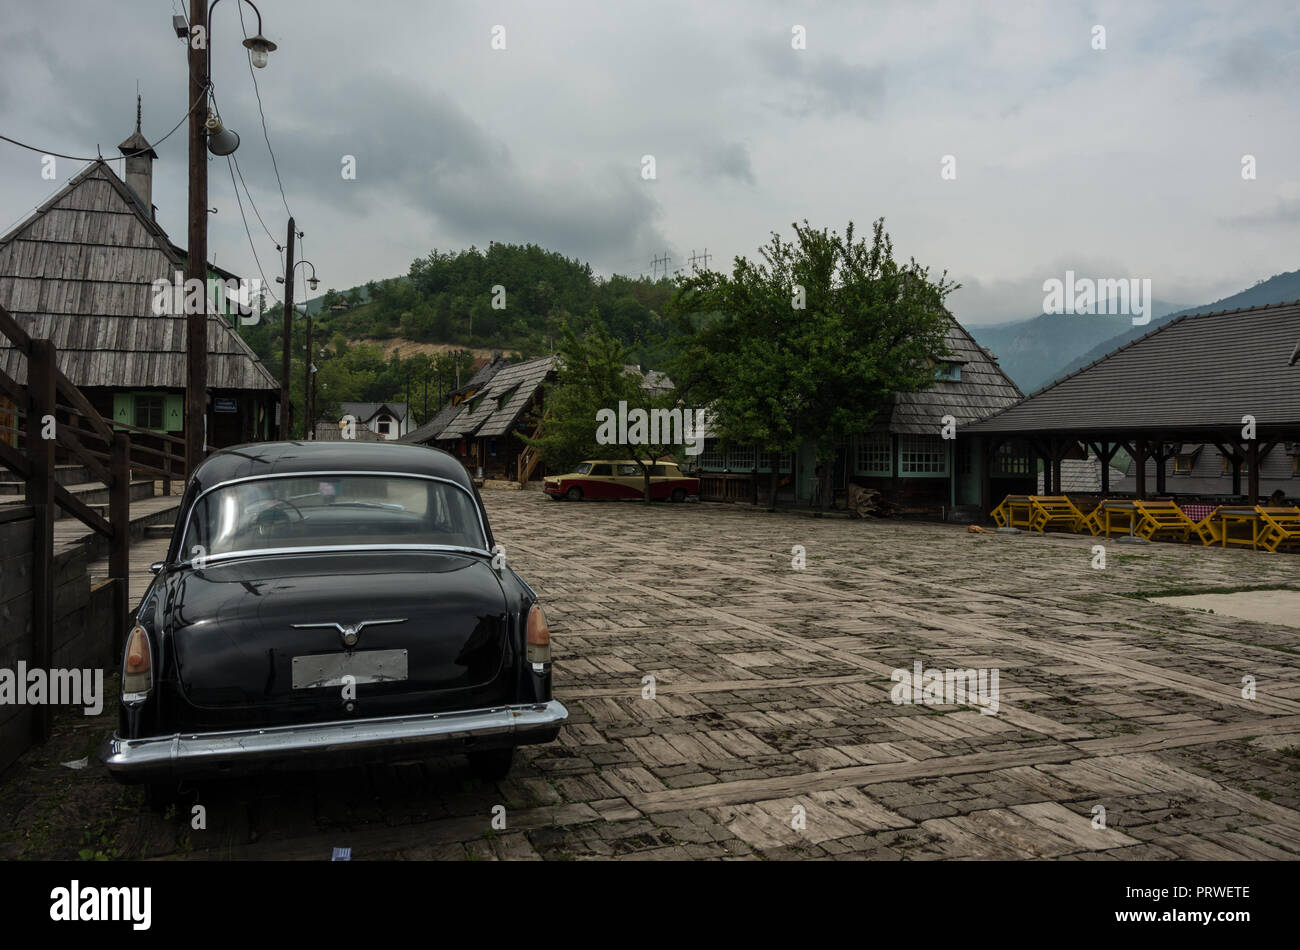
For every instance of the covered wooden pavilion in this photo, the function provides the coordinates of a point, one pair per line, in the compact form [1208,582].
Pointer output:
[1228,378]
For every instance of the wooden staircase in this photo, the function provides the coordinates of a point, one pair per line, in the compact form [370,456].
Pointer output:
[529,459]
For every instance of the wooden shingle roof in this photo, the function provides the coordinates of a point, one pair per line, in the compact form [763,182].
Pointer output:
[500,402]
[982,390]
[79,271]
[1201,372]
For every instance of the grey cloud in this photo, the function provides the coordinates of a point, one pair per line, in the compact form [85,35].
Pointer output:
[421,150]
[1285,212]
[726,161]
[823,83]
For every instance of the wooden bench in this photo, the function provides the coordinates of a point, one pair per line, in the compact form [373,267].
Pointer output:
[1109,515]
[1053,511]
[1016,511]
[1250,517]
[1160,519]
[1210,528]
[1280,526]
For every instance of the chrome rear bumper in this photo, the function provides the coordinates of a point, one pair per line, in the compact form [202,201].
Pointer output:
[206,754]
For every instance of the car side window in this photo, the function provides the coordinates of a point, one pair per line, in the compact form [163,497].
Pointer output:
[599,470]
[626,470]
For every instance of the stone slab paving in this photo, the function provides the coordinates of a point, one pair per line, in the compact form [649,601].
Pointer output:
[772,734]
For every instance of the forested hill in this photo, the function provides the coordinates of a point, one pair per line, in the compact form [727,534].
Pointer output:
[448,297]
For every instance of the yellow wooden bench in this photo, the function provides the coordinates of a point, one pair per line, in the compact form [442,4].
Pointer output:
[1210,528]
[1111,514]
[1053,511]
[1279,526]
[1016,511]
[1161,519]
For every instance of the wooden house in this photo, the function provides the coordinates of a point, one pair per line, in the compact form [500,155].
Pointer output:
[904,455]
[82,272]
[484,419]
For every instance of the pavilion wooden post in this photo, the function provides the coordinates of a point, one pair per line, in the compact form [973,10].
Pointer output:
[989,451]
[1140,460]
[1252,463]
[1104,454]
[1160,460]
[1058,451]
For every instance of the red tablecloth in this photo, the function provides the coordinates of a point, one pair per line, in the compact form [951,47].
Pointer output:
[1197,512]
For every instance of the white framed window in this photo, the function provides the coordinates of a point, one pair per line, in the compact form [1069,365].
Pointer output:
[784,464]
[950,372]
[711,458]
[741,458]
[1011,460]
[873,454]
[922,455]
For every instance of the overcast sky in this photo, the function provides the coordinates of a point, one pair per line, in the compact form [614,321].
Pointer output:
[1122,162]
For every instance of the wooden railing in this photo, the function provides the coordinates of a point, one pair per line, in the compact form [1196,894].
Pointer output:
[529,459]
[47,405]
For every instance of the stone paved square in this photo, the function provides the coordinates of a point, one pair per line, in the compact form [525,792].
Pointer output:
[772,734]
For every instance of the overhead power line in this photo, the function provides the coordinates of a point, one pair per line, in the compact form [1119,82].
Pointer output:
[252,247]
[252,72]
[100,158]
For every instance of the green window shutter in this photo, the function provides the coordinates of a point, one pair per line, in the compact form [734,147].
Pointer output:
[174,412]
[123,409]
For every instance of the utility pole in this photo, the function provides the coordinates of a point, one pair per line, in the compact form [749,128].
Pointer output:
[701,257]
[288,334]
[196,260]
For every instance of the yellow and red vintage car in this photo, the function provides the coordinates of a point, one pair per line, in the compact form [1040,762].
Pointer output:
[621,478]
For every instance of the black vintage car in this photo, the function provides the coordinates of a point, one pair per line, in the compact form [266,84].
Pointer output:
[324,604]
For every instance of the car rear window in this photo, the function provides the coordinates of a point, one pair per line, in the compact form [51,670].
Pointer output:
[330,511]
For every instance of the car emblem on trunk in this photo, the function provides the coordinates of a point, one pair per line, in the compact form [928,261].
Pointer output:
[349,631]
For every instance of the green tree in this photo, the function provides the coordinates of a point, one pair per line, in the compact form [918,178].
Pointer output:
[591,380]
[810,343]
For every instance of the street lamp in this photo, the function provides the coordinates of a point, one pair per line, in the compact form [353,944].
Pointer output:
[206,132]
[223,141]
[259,45]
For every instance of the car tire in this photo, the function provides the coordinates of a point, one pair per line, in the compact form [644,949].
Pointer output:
[679,495]
[574,494]
[491,764]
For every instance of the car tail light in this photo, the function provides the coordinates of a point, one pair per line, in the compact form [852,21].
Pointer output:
[137,665]
[539,637]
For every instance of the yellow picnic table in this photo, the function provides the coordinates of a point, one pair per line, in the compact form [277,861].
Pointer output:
[1162,518]
[1111,515]
[1281,526]
[1037,512]
[1016,511]
[1241,516]
[1210,528]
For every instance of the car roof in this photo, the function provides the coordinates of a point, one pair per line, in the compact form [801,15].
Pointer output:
[625,462]
[280,458]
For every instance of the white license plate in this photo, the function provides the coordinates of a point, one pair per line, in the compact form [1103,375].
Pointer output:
[328,669]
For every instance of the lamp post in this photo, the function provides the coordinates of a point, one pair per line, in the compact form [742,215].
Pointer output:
[315,370]
[205,129]
[313,283]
